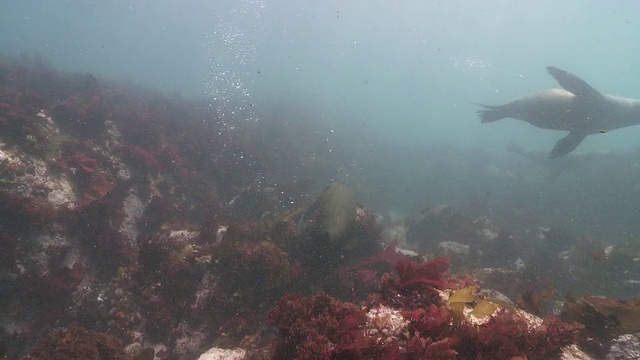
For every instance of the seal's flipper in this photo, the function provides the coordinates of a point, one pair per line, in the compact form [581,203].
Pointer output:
[573,84]
[567,144]
[491,113]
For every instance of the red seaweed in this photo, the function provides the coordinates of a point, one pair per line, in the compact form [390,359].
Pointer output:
[429,273]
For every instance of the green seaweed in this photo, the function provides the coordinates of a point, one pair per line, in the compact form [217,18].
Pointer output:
[338,209]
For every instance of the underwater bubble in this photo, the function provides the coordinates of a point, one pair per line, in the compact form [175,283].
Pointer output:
[468,63]
[231,49]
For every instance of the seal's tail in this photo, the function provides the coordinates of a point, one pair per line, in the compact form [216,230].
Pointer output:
[491,113]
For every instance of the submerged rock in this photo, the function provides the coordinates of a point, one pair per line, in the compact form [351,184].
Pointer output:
[573,352]
[77,342]
[625,347]
[452,248]
[459,253]
[223,354]
[430,228]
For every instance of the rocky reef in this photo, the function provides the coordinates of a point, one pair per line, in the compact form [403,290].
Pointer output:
[140,226]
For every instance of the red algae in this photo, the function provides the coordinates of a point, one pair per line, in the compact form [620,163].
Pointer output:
[311,327]
[142,159]
[336,330]
[25,210]
[96,189]
[81,114]
[78,343]
[431,321]
[427,273]
[83,162]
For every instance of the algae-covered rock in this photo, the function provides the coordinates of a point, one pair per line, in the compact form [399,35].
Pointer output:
[337,211]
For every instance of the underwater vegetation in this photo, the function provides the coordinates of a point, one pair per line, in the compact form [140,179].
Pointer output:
[139,226]
[78,343]
[410,319]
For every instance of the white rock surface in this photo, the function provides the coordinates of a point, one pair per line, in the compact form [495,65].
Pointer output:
[452,248]
[223,354]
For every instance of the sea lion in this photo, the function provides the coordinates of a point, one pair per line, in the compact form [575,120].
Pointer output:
[577,108]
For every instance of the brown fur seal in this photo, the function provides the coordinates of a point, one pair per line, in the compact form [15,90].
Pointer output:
[577,108]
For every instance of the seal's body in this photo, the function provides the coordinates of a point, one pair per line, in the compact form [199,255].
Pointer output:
[577,108]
